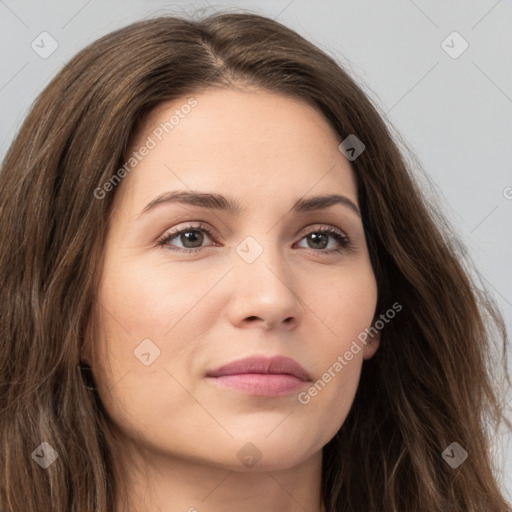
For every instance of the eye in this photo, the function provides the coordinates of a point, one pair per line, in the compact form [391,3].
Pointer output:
[319,237]
[192,237]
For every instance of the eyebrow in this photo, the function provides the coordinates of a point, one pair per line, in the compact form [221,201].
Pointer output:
[219,202]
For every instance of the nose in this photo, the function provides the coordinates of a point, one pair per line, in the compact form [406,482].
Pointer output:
[264,289]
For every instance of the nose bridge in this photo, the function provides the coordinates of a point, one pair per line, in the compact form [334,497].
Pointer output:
[258,258]
[263,280]
[258,254]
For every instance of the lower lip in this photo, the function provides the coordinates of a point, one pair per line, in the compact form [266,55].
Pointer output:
[261,384]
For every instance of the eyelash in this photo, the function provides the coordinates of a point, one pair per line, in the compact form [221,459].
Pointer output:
[343,240]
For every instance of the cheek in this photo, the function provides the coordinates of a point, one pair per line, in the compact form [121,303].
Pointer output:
[155,299]
[346,306]
[140,298]
[339,358]
[149,314]
[330,397]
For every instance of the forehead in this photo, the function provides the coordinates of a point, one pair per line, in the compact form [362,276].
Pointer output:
[255,143]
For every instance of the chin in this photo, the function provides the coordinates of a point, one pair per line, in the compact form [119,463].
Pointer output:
[263,452]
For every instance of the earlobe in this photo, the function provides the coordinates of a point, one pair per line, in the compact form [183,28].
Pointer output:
[85,351]
[371,346]
[84,357]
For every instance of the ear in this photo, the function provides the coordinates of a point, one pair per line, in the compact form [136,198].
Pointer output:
[85,355]
[371,346]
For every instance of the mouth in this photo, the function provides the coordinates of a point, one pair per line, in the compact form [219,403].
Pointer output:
[261,376]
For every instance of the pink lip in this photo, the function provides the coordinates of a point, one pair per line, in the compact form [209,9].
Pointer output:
[262,376]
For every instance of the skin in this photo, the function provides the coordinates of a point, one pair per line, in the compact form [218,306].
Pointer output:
[177,433]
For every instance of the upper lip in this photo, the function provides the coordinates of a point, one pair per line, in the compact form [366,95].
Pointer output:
[262,365]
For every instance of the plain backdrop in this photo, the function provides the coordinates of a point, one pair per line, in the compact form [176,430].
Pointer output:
[440,71]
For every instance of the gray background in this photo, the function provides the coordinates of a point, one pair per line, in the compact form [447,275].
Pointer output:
[455,114]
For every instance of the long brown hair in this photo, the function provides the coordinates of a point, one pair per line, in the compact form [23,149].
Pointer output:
[430,383]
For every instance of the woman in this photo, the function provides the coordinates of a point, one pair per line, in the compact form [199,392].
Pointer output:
[223,290]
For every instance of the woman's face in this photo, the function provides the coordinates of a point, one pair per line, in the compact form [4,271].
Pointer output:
[264,282]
